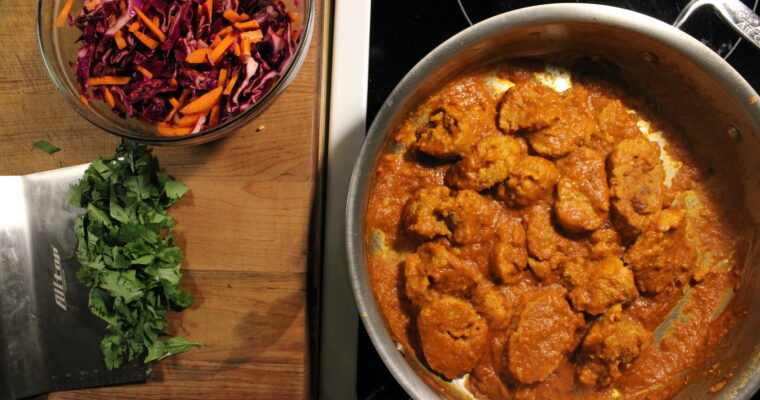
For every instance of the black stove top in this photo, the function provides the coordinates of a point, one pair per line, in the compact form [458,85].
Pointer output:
[427,24]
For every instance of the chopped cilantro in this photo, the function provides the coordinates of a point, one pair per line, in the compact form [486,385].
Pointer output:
[127,254]
[46,147]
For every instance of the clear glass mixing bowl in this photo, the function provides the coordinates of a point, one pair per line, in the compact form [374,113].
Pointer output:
[58,47]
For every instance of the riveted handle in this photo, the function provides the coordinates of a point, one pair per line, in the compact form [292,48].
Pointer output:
[743,20]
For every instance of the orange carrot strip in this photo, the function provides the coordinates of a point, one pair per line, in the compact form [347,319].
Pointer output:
[189,120]
[246,47]
[144,71]
[109,98]
[174,102]
[210,9]
[64,15]
[111,19]
[221,48]
[84,100]
[152,26]
[169,130]
[147,40]
[173,83]
[119,38]
[280,31]
[156,20]
[243,26]
[135,26]
[216,42]
[230,85]
[203,103]
[243,17]
[293,16]
[224,32]
[108,80]
[222,76]
[122,6]
[237,49]
[254,36]
[214,117]
[182,99]
[198,56]
[231,15]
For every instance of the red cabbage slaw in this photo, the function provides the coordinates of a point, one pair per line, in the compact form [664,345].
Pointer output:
[149,41]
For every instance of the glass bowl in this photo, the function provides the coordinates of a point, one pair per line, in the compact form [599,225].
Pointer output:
[58,47]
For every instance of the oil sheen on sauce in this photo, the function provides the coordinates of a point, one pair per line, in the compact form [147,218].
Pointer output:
[539,233]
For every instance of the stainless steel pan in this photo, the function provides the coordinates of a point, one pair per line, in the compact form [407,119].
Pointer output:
[689,82]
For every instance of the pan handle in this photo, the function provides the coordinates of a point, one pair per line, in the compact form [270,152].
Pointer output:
[743,20]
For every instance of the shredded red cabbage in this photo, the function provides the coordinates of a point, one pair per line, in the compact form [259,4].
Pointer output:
[186,27]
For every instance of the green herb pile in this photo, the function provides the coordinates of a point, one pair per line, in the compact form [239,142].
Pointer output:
[127,253]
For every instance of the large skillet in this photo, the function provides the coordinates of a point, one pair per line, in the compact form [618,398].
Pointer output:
[689,83]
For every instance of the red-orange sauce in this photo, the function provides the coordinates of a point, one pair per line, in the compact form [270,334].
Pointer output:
[528,238]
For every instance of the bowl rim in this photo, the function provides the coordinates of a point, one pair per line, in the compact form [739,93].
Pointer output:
[283,81]
[376,137]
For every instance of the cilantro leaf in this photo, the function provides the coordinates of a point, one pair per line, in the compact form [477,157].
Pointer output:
[175,189]
[127,254]
[165,348]
[46,147]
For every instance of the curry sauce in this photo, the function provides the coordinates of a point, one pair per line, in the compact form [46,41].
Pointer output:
[550,242]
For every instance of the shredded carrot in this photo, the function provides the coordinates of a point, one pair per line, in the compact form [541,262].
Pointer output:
[169,130]
[203,103]
[254,36]
[210,9]
[222,77]
[109,98]
[214,117]
[294,34]
[293,16]
[252,24]
[198,56]
[173,83]
[147,40]
[174,102]
[280,31]
[84,100]
[231,15]
[246,47]
[156,20]
[144,71]
[184,95]
[150,24]
[230,85]
[135,26]
[111,19]
[189,120]
[224,32]
[244,17]
[119,38]
[237,49]
[182,99]
[64,15]
[216,42]
[122,6]
[108,80]
[225,44]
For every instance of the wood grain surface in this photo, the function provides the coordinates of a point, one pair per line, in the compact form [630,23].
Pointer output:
[245,226]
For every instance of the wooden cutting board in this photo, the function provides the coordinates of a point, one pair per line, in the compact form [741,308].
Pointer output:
[246,226]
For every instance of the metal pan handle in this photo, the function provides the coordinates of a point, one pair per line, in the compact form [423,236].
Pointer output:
[743,20]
